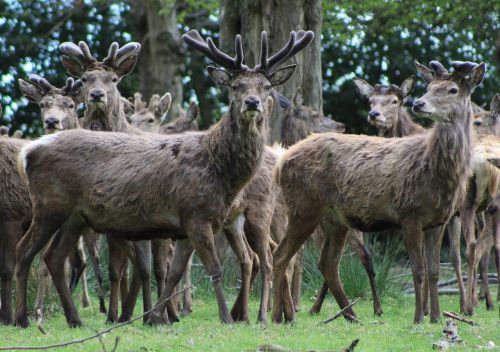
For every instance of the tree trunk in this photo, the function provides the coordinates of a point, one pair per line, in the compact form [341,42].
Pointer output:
[161,64]
[278,18]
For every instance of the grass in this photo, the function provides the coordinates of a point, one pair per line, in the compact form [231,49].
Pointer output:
[202,331]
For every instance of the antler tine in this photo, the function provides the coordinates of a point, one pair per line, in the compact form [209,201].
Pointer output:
[126,51]
[42,83]
[86,52]
[463,67]
[264,51]
[153,102]
[72,50]
[208,48]
[68,87]
[302,40]
[238,48]
[113,49]
[438,68]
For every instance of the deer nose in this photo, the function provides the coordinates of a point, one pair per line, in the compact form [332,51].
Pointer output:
[51,121]
[418,104]
[252,102]
[492,209]
[97,94]
[373,114]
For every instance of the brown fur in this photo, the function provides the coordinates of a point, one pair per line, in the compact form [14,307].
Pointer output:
[186,121]
[394,174]
[486,122]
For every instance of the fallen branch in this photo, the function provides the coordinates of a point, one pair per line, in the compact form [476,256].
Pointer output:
[97,335]
[459,318]
[341,312]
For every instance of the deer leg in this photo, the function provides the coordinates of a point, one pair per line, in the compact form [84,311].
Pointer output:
[142,250]
[182,253]
[484,244]
[43,286]
[9,232]
[234,234]
[187,298]
[258,235]
[356,242]
[329,262]
[299,228]
[39,233]
[117,262]
[64,241]
[298,270]
[412,237]
[131,299]
[496,234]
[160,249]
[92,242]
[433,239]
[202,240]
[467,217]
[320,298]
[454,229]
[124,282]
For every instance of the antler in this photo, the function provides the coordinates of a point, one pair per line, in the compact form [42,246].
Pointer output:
[153,103]
[117,55]
[297,42]
[71,86]
[80,53]
[438,68]
[42,83]
[138,103]
[194,39]
[463,68]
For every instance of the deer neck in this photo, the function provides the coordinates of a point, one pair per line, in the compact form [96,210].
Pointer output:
[449,148]
[404,125]
[235,148]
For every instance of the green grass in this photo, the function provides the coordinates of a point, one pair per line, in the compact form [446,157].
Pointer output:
[202,331]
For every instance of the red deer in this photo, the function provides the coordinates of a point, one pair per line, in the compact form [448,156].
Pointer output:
[118,196]
[372,183]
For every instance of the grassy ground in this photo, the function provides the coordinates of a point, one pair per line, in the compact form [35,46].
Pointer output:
[202,332]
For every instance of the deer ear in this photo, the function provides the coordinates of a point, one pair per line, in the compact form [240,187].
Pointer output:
[72,66]
[477,75]
[426,72]
[128,107]
[30,91]
[364,88]
[407,86]
[494,105]
[220,76]
[163,105]
[298,100]
[495,162]
[269,106]
[282,75]
[126,66]
[192,112]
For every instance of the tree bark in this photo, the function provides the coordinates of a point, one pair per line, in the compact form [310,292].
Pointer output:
[161,64]
[278,18]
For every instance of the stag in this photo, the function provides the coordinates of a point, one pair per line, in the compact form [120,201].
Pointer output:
[15,213]
[119,196]
[411,183]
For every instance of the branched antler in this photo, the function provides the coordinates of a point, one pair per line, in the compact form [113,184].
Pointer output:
[70,88]
[81,54]
[296,43]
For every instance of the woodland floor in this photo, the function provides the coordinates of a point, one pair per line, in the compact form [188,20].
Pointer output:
[201,331]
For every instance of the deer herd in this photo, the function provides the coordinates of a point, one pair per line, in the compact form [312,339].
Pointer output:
[160,190]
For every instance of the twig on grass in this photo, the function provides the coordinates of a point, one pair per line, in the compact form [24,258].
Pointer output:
[39,321]
[459,318]
[95,336]
[341,312]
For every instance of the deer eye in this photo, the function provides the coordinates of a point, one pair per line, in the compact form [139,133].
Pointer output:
[41,105]
[151,120]
[267,86]
[453,91]
[394,102]
[115,79]
[71,106]
[84,79]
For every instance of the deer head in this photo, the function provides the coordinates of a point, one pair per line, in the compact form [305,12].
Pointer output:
[186,121]
[57,105]
[486,122]
[4,131]
[448,94]
[148,117]
[100,78]
[250,87]
[385,101]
